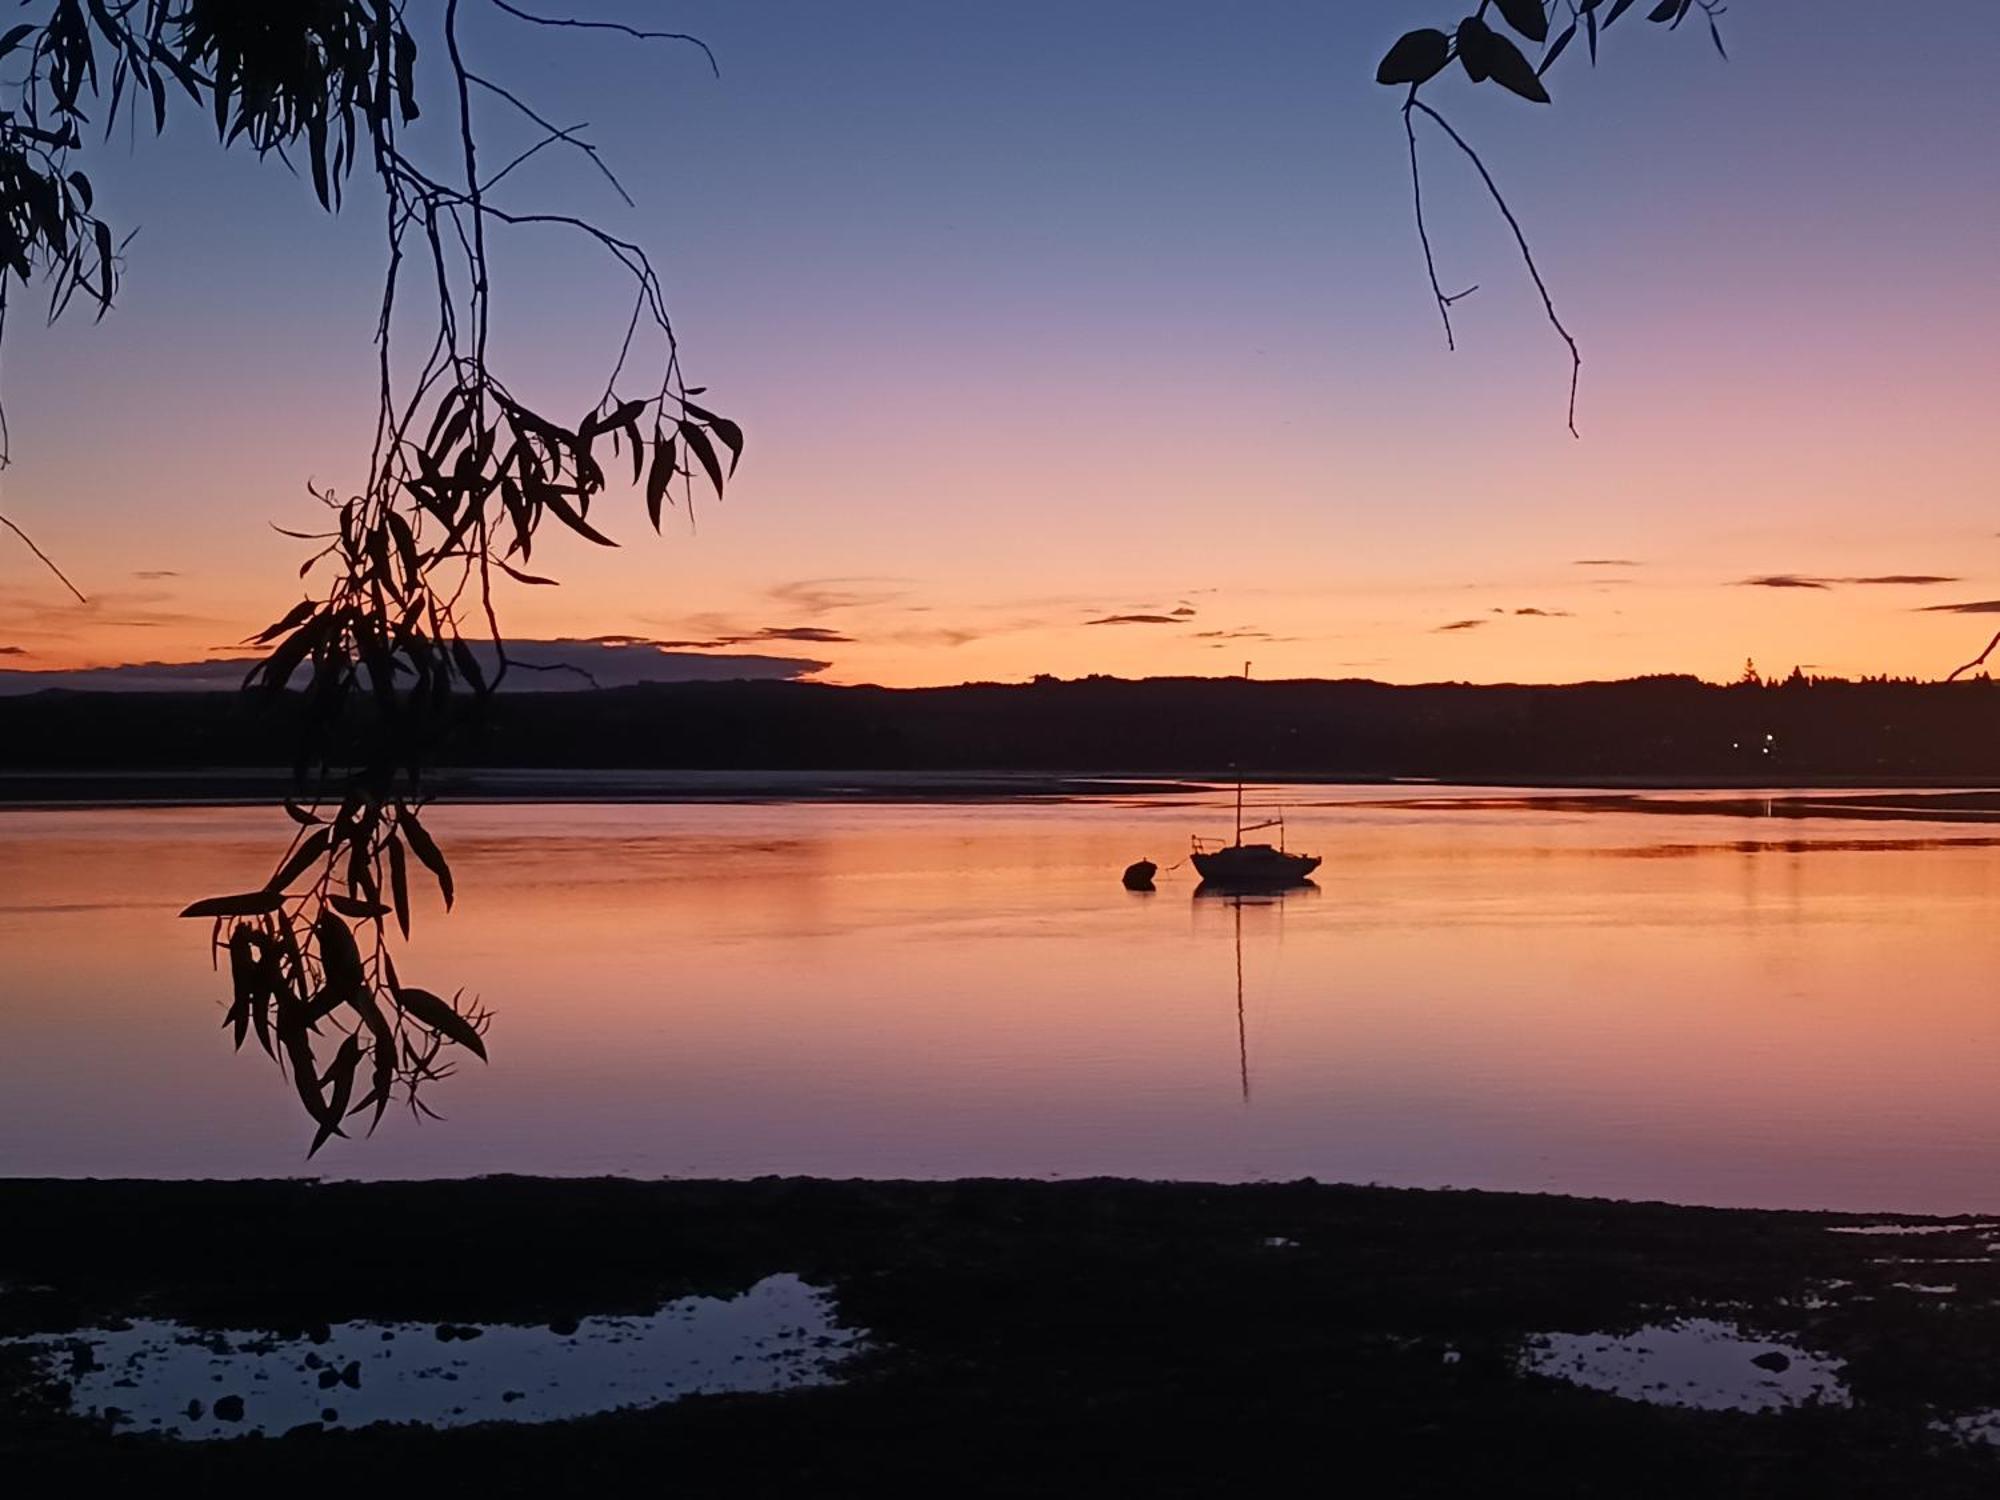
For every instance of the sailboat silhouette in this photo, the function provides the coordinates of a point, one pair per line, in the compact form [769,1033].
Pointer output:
[1241,866]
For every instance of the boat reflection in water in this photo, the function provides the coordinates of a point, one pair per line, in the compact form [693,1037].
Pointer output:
[1236,898]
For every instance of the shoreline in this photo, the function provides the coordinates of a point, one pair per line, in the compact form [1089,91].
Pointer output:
[1953,799]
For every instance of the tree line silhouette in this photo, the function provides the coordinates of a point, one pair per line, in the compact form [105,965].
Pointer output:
[1663,727]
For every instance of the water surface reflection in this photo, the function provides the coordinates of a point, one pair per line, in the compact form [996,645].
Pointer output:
[1475,996]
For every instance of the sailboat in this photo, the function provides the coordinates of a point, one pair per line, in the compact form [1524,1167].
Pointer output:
[1240,866]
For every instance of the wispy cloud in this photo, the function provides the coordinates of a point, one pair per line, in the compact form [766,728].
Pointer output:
[1460,625]
[820,635]
[815,633]
[1812,581]
[938,635]
[1607,562]
[151,574]
[814,597]
[1973,607]
[13,651]
[36,616]
[1544,614]
[1135,620]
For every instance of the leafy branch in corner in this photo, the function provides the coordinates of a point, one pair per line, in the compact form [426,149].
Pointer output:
[1489,55]
[463,471]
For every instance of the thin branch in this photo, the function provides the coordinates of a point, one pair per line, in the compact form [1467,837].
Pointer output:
[1979,660]
[1423,234]
[556,133]
[618,26]
[554,666]
[1527,255]
[46,561]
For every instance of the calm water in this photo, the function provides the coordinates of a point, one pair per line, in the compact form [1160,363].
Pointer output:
[1699,1008]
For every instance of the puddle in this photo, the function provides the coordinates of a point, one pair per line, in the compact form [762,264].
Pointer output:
[1979,1427]
[1911,1228]
[1697,1362]
[1930,1260]
[191,1383]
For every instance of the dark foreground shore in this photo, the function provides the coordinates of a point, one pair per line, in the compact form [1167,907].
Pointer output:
[1034,1338]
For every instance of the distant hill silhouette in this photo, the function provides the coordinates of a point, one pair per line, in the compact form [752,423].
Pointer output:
[1665,728]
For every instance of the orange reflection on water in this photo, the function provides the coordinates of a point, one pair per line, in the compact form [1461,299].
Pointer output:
[1699,1008]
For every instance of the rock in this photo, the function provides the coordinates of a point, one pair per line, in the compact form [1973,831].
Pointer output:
[229,1409]
[1139,875]
[1773,1361]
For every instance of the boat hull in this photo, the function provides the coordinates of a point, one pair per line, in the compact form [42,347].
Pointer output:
[1254,866]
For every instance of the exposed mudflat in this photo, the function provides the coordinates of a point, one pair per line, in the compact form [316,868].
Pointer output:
[1015,1337]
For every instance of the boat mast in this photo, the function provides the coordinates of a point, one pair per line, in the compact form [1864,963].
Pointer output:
[1239,780]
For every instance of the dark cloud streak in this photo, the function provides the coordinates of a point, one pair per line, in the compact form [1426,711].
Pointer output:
[556,665]
[1811,581]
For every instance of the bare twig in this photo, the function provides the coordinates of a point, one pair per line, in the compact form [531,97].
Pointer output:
[618,26]
[29,542]
[1520,239]
[1979,660]
[1423,234]
[556,133]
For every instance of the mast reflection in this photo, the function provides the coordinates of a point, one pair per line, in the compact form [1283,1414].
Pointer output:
[1236,898]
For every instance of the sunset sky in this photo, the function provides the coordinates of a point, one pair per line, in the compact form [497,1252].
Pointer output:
[1096,338]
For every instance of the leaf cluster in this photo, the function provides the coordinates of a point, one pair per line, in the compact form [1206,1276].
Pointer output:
[308,76]
[1487,54]
[300,977]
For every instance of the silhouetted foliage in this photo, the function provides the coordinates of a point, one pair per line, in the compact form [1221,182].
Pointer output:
[463,472]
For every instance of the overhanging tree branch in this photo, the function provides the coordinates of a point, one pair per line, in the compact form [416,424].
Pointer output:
[462,473]
[1485,54]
